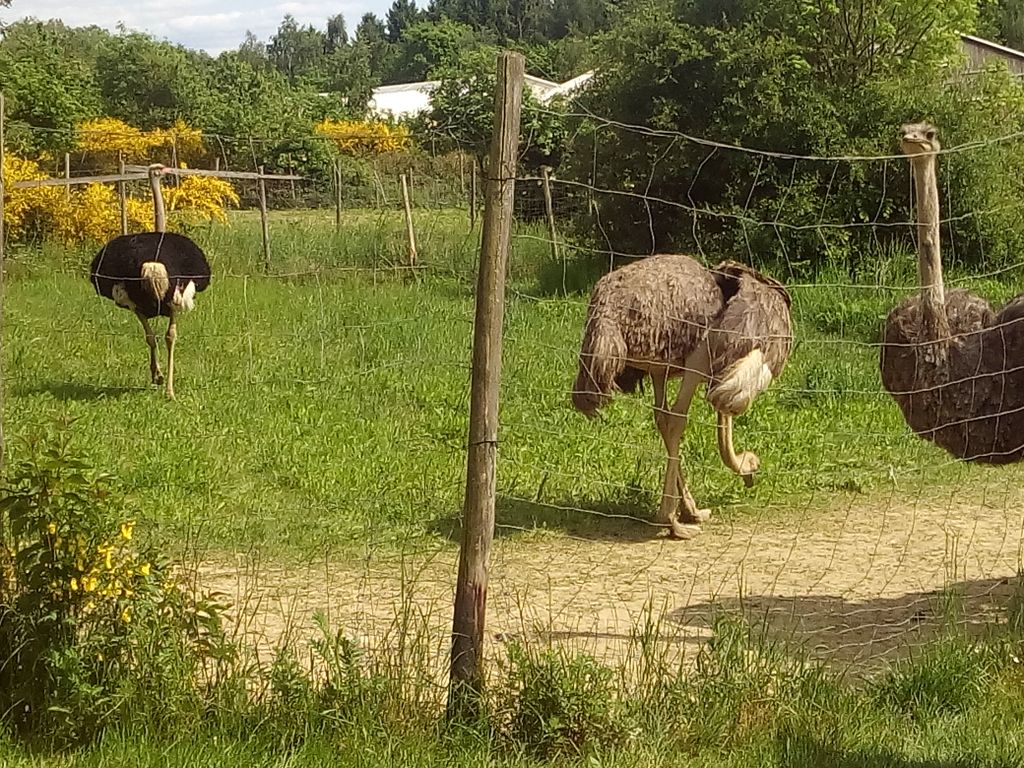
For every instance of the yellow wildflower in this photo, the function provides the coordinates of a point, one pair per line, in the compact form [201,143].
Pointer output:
[51,528]
[126,530]
[126,615]
[89,583]
[74,584]
[144,569]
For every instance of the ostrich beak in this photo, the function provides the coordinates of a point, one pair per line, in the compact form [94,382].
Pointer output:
[748,480]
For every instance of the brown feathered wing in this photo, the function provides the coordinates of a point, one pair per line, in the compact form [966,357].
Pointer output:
[751,338]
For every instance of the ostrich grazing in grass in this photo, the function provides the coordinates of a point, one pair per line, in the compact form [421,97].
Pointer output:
[152,274]
[954,366]
[667,316]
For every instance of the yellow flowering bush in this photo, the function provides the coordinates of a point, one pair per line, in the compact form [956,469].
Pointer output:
[188,141]
[87,612]
[206,196]
[108,136]
[92,213]
[25,207]
[362,137]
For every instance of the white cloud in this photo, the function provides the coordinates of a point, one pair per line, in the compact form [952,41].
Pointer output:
[213,25]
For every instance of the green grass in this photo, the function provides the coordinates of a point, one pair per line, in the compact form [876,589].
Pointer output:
[323,408]
[747,705]
[326,403]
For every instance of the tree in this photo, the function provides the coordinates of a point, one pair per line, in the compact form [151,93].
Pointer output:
[783,76]
[427,45]
[462,112]
[372,34]
[1002,20]
[337,35]
[401,15]
[297,51]
[48,75]
[151,83]
[253,51]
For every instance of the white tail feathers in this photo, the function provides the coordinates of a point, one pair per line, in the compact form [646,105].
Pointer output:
[184,298]
[740,384]
[155,275]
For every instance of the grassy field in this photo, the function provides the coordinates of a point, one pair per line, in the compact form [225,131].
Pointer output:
[322,413]
[325,404]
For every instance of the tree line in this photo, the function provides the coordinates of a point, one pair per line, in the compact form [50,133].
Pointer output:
[785,76]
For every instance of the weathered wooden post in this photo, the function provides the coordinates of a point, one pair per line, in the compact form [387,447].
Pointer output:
[67,175]
[264,221]
[410,234]
[3,238]
[472,194]
[466,686]
[337,193]
[122,195]
[549,209]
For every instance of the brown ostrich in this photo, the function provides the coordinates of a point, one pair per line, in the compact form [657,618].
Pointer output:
[954,366]
[667,316]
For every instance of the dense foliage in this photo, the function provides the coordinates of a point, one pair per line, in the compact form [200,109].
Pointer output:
[784,77]
[781,76]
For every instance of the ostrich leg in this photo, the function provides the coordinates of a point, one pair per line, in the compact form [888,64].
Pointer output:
[172,335]
[154,365]
[676,497]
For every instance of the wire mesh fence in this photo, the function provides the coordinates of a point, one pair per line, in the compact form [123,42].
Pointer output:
[315,461]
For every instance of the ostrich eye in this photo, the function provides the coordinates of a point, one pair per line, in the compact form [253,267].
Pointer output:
[930,135]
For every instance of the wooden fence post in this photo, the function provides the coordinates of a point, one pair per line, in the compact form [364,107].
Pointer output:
[337,193]
[472,194]
[159,215]
[408,221]
[264,223]
[3,238]
[122,195]
[67,175]
[466,686]
[549,209]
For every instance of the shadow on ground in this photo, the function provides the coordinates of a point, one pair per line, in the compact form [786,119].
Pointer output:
[864,633]
[71,390]
[593,521]
[803,751]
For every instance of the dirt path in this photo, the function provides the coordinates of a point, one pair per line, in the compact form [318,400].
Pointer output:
[853,584]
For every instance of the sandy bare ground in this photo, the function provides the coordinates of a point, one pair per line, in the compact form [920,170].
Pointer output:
[855,584]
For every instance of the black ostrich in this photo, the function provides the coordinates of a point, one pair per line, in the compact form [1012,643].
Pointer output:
[152,274]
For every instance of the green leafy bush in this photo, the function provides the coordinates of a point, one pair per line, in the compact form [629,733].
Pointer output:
[559,704]
[98,629]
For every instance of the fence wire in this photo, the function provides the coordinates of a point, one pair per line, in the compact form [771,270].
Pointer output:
[315,460]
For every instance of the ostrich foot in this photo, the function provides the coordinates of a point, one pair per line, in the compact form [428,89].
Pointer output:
[683,531]
[695,515]
[688,510]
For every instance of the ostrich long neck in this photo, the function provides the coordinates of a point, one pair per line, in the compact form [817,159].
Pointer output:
[929,252]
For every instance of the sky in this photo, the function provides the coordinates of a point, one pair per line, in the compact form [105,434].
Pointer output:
[213,25]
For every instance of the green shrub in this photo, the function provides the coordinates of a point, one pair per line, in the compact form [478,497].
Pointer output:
[559,704]
[99,631]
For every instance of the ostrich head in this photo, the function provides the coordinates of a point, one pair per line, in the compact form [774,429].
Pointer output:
[748,463]
[919,139]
